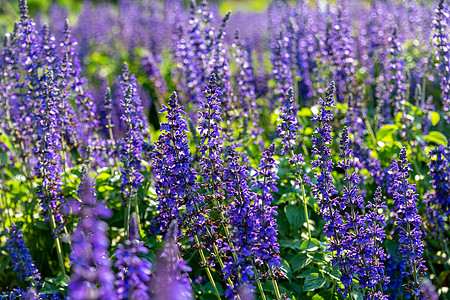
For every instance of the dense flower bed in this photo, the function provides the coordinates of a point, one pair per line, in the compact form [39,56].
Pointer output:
[156,151]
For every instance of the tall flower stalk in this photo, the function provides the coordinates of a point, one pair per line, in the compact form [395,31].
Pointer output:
[133,277]
[21,259]
[288,130]
[131,151]
[49,167]
[91,277]
[324,189]
[441,43]
[408,224]
[176,179]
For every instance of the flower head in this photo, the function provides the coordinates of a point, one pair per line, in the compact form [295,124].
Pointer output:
[21,259]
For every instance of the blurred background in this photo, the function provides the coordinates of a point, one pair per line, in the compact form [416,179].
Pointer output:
[9,11]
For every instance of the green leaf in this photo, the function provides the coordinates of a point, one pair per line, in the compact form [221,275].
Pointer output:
[103,176]
[305,112]
[300,261]
[310,245]
[286,270]
[293,244]
[313,282]
[356,295]
[293,216]
[384,134]
[342,106]
[434,117]
[308,272]
[436,137]
[105,188]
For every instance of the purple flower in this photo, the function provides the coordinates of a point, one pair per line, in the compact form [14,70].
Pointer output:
[133,276]
[437,199]
[90,143]
[47,150]
[245,81]
[442,45]
[281,60]
[243,219]
[91,277]
[289,126]
[20,256]
[324,189]
[266,249]
[440,177]
[193,52]
[395,96]
[376,221]
[170,280]
[175,178]
[211,143]
[131,146]
[429,290]
[408,223]
[343,56]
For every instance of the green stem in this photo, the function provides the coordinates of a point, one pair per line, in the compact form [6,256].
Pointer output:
[369,128]
[208,271]
[8,213]
[275,284]
[58,245]
[305,205]
[258,282]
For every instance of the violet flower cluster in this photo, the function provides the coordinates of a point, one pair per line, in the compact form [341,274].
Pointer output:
[440,177]
[22,262]
[266,249]
[408,224]
[324,189]
[437,199]
[364,232]
[133,277]
[131,146]
[245,80]
[441,42]
[281,60]
[47,149]
[92,277]
[170,278]
[211,143]
[288,128]
[175,178]
[243,219]
[396,78]
[343,60]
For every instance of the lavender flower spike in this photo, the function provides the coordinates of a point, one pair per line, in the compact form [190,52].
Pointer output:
[134,272]
[440,177]
[170,278]
[175,178]
[92,277]
[408,223]
[324,189]
[266,250]
[442,45]
[47,150]
[20,255]
[131,146]
[289,126]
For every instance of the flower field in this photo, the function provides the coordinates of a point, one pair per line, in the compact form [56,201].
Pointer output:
[170,150]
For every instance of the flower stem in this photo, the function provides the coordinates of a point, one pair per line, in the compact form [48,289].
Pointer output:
[258,282]
[305,205]
[208,271]
[58,244]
